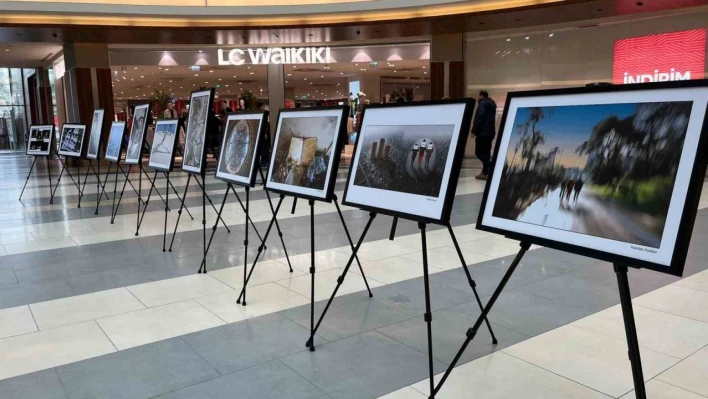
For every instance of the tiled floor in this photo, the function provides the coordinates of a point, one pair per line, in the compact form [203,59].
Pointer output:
[88,309]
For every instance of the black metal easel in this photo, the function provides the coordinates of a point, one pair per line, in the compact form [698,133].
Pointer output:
[100,188]
[64,168]
[153,183]
[630,329]
[49,170]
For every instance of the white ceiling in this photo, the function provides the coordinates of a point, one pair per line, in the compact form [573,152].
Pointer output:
[27,55]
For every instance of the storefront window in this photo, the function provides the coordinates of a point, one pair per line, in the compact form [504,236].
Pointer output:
[13,122]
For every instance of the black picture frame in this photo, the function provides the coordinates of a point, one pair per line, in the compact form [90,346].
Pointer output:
[210,108]
[174,145]
[337,153]
[690,208]
[262,129]
[100,134]
[51,141]
[148,122]
[454,172]
[120,149]
[61,137]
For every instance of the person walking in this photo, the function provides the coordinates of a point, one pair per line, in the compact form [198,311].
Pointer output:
[484,130]
[578,186]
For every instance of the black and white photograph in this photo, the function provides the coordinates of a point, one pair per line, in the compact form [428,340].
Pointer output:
[72,140]
[163,144]
[305,148]
[239,148]
[407,159]
[137,134]
[115,141]
[404,156]
[605,172]
[195,137]
[40,140]
[95,134]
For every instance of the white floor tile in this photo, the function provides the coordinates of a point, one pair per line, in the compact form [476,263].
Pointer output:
[80,308]
[663,332]
[325,282]
[660,390]
[324,260]
[446,258]
[494,246]
[698,281]
[677,300]
[405,393]
[392,270]
[261,299]
[469,232]
[155,324]
[265,272]
[95,238]
[691,374]
[591,359]
[177,289]
[39,245]
[376,250]
[45,349]
[433,239]
[16,321]
[500,376]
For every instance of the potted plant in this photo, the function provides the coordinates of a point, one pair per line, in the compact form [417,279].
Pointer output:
[159,100]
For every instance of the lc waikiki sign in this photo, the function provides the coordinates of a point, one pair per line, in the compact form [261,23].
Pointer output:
[276,55]
[660,58]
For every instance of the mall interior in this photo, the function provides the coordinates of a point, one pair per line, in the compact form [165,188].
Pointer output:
[121,279]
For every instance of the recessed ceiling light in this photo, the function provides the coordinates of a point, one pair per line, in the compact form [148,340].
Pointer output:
[196,74]
[322,76]
[286,81]
[526,38]
[200,51]
[135,67]
[170,81]
[508,40]
[142,76]
[304,78]
[294,66]
[550,35]
[211,71]
[248,67]
[425,73]
[290,74]
[225,85]
[341,73]
[394,71]
[251,73]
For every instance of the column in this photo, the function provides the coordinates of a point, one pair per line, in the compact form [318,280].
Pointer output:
[447,66]
[87,84]
[43,97]
[276,93]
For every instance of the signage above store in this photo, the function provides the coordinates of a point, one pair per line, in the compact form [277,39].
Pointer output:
[276,55]
[660,58]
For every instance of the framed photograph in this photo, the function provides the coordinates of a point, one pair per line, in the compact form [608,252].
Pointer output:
[407,159]
[611,173]
[95,134]
[307,151]
[141,116]
[240,148]
[72,140]
[164,143]
[115,141]
[40,140]
[200,102]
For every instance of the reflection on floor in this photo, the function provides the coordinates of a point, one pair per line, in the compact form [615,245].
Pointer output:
[87,309]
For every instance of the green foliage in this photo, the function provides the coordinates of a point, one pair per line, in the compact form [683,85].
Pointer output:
[159,102]
[650,196]
[249,100]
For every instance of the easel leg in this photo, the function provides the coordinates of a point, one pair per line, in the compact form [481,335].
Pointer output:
[97,173]
[179,213]
[245,246]
[115,193]
[122,191]
[180,198]
[471,281]
[51,199]
[260,247]
[392,235]
[167,208]
[28,177]
[49,172]
[83,186]
[203,187]
[340,279]
[312,274]
[140,198]
[351,244]
[277,225]
[147,202]
[292,211]
[127,177]
[152,182]
[472,332]
[630,329]
[213,230]
[249,218]
[428,316]
[103,187]
[78,186]
[204,246]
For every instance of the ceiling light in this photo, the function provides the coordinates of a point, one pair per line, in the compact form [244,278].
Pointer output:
[142,76]
[290,74]
[294,66]
[550,35]
[211,71]
[196,74]
[304,78]
[157,68]
[341,73]
[508,40]
[425,73]
[394,71]
[135,67]
[251,73]
[219,80]
[527,38]
[356,64]
[423,66]
[170,81]
[225,85]
[200,51]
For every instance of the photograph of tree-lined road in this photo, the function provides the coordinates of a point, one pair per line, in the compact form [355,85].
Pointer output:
[606,170]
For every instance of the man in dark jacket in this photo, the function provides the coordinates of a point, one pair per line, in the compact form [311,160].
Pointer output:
[483,129]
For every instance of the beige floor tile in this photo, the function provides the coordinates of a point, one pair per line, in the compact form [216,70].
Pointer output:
[663,332]
[155,324]
[681,301]
[16,321]
[446,258]
[50,348]
[324,260]
[325,282]
[493,246]
[392,270]
[691,374]
[265,272]
[500,376]
[660,390]
[261,299]
[80,308]
[376,250]
[405,393]
[177,289]
[591,359]
[698,281]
